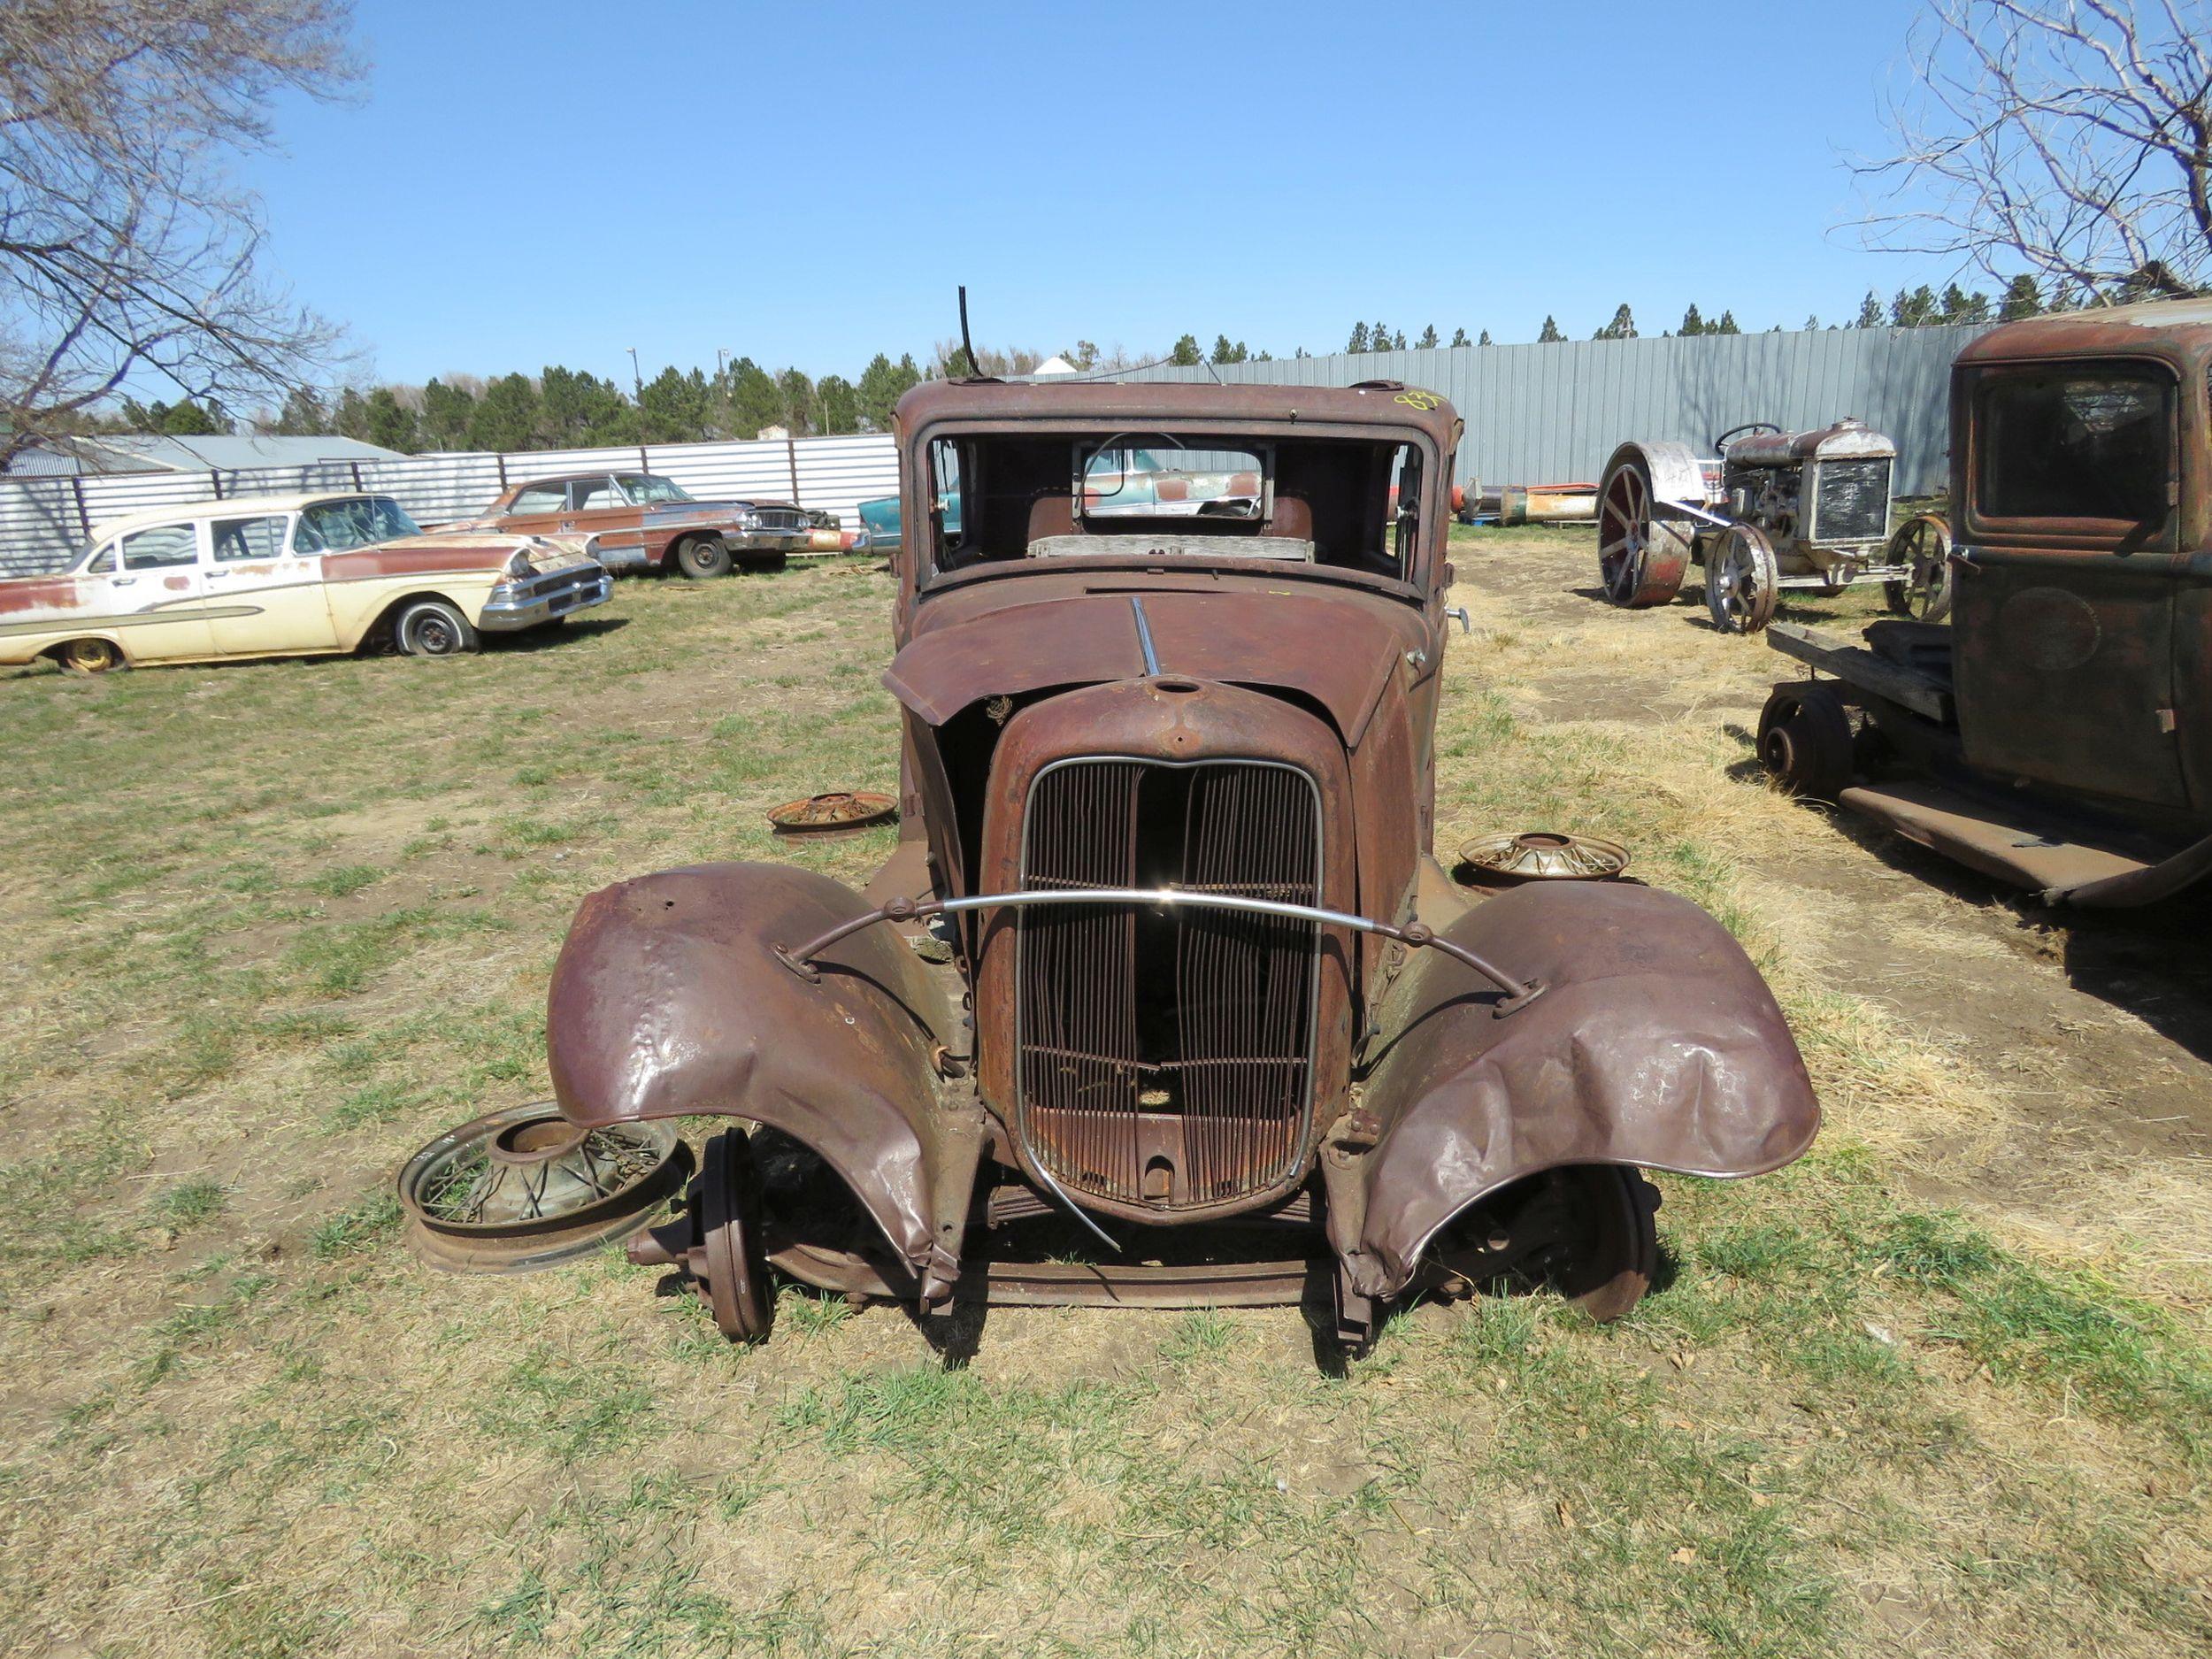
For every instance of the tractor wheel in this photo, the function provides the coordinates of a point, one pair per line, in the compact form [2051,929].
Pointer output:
[1742,581]
[1643,548]
[1805,741]
[1923,544]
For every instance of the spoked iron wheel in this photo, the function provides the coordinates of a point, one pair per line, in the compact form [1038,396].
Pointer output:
[1584,1231]
[1641,557]
[1923,543]
[525,1189]
[1742,581]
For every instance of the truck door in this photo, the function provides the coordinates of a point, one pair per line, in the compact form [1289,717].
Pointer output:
[2064,607]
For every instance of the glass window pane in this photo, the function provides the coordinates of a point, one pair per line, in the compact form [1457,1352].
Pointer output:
[162,549]
[2073,445]
[248,538]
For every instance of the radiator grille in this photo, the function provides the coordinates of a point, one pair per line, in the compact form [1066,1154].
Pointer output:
[1165,1056]
[778,519]
[1853,504]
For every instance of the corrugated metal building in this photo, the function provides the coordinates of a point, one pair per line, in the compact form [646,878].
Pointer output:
[94,455]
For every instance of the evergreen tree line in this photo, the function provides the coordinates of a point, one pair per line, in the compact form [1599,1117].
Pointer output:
[1914,308]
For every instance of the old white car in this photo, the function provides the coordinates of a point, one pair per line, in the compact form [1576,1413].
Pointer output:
[289,576]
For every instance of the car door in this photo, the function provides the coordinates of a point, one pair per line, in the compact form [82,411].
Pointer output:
[600,507]
[265,594]
[158,594]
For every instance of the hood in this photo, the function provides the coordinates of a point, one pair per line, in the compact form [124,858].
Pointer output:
[1333,646]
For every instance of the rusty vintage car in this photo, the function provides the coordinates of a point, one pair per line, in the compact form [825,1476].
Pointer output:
[2058,733]
[639,521]
[1162,999]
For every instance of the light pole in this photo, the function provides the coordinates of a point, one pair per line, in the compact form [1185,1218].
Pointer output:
[636,379]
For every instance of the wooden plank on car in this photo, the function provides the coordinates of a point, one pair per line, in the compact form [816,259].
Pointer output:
[1855,665]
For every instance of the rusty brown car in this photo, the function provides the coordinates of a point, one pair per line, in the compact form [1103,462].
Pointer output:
[1162,999]
[639,521]
[2058,733]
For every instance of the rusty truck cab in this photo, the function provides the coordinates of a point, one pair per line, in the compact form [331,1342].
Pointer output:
[2081,464]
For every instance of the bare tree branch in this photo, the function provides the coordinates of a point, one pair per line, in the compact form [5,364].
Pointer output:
[126,253]
[2070,137]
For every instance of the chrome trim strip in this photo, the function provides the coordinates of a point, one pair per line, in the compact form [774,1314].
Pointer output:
[1144,644]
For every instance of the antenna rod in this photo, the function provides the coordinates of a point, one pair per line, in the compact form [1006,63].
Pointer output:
[968,345]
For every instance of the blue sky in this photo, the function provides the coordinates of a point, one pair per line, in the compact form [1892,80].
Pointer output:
[553,183]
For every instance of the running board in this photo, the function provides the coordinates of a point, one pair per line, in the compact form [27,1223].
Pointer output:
[2028,852]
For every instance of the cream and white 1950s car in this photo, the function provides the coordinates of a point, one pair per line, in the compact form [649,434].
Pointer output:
[289,576]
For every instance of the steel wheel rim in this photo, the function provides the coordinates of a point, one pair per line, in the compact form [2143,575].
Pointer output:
[434,634]
[1623,532]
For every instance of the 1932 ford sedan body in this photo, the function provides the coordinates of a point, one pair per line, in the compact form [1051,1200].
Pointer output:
[1162,999]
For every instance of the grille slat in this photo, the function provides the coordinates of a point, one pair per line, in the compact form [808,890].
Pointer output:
[1177,1043]
[1852,504]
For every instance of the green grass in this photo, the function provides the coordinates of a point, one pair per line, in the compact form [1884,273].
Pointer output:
[250,1424]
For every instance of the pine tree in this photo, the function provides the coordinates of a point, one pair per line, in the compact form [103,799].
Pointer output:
[1485,339]
[1378,336]
[1725,326]
[1691,323]
[1622,327]
[2022,298]
[1223,348]
[1869,311]
[1812,325]
[1551,334]
[1359,338]
[1459,336]
[1962,307]
[1427,341]
[1916,310]
[1186,354]
[391,424]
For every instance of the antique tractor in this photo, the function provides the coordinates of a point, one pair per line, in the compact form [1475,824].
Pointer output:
[1776,510]
[2058,733]
[1162,999]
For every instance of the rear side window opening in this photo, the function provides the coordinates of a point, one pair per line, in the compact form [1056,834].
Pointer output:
[2078,441]
[1343,504]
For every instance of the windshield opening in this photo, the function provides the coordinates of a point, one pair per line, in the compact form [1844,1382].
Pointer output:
[332,526]
[2074,443]
[1003,498]
[646,490]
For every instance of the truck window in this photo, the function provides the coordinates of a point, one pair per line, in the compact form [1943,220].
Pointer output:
[2074,443]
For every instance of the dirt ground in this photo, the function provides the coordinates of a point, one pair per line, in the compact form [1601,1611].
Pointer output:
[1944,1387]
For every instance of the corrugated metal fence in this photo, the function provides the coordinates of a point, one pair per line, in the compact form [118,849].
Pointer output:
[1552,414]
[44,522]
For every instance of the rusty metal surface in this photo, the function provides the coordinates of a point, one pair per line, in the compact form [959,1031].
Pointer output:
[523,1190]
[668,1000]
[1166,722]
[832,812]
[1658,1045]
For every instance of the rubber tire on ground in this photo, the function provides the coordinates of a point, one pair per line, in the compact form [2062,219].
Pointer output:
[1744,605]
[1924,541]
[1805,741]
[738,1291]
[1612,1275]
[88,657]
[702,556]
[431,627]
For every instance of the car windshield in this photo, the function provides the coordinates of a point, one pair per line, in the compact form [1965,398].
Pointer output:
[1293,500]
[2075,443]
[645,490]
[332,526]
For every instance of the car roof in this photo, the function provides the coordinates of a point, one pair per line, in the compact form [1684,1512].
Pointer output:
[571,478]
[230,507]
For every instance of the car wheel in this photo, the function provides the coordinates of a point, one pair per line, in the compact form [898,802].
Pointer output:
[431,627]
[88,657]
[700,556]
[1805,741]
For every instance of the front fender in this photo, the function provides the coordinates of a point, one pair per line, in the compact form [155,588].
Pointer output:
[667,1001]
[1656,1044]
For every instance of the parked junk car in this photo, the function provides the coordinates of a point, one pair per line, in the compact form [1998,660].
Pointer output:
[1162,968]
[646,523]
[1776,510]
[881,521]
[2058,733]
[289,576]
